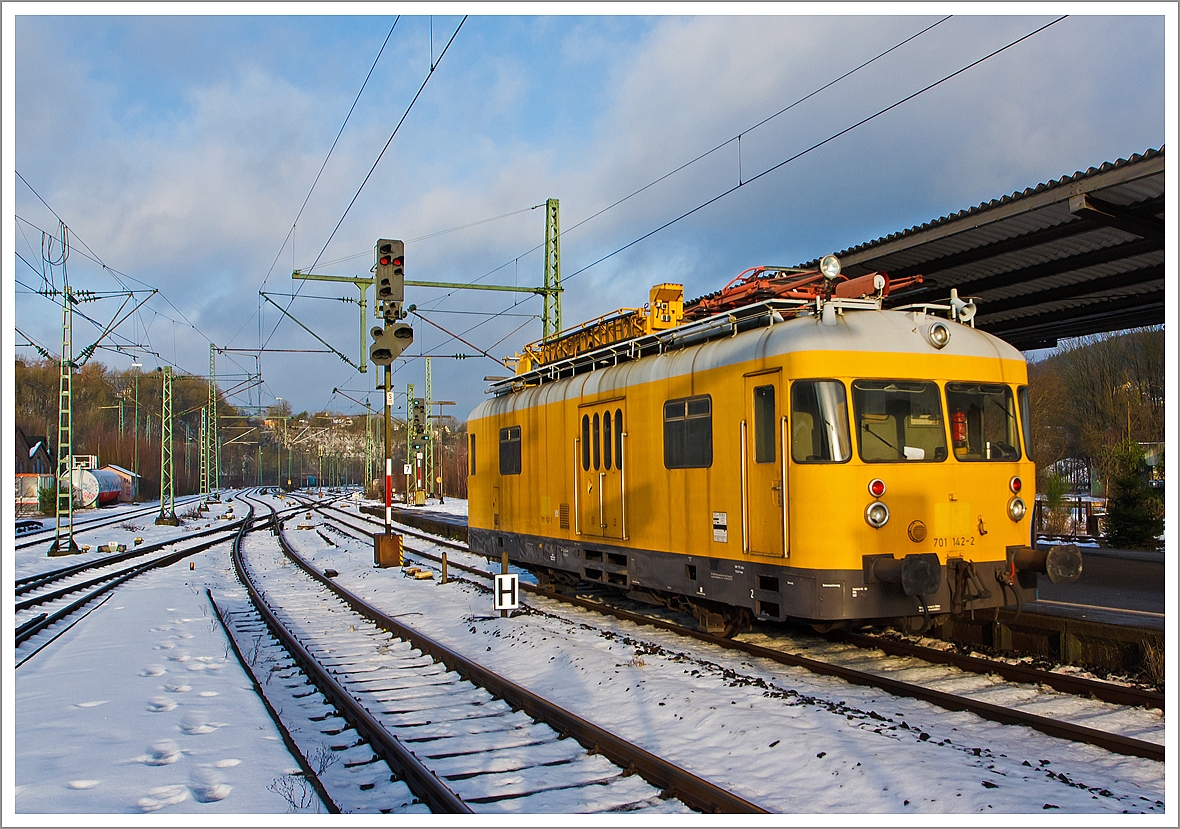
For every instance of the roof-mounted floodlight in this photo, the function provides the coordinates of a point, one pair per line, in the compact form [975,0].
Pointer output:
[829,266]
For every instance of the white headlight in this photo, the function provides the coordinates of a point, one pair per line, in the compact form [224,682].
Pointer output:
[829,266]
[1016,509]
[877,515]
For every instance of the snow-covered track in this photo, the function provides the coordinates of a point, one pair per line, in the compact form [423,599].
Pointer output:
[496,747]
[47,534]
[104,571]
[28,641]
[98,570]
[334,759]
[1111,741]
[277,617]
[29,584]
[37,581]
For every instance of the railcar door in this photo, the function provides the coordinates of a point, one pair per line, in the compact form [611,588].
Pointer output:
[600,469]
[764,483]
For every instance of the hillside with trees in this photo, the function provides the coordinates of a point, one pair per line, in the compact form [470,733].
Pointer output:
[257,447]
[1094,393]
[1097,409]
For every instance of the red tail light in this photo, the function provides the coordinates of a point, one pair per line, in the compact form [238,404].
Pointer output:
[1015,485]
[876,487]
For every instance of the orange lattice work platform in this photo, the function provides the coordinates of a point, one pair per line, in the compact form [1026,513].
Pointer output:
[766,282]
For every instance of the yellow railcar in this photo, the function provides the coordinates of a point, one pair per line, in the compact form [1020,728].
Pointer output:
[823,460]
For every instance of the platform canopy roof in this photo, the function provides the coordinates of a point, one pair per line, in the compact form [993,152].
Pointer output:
[1080,255]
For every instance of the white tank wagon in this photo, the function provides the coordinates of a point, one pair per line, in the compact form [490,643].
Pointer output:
[95,487]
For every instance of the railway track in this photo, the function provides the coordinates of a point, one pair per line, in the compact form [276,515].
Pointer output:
[96,580]
[462,737]
[999,713]
[335,761]
[1081,686]
[38,581]
[46,535]
[34,585]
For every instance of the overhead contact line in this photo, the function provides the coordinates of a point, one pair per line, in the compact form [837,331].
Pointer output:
[815,146]
[381,154]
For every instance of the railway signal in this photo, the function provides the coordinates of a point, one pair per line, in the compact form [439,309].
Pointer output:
[389,341]
[418,413]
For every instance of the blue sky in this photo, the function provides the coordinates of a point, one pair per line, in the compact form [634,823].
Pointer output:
[180,148]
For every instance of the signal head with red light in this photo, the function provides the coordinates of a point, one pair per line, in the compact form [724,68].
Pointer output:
[390,269]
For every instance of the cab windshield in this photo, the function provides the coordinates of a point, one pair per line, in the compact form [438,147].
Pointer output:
[983,422]
[898,420]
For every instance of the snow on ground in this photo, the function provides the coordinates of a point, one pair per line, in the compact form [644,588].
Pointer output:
[142,707]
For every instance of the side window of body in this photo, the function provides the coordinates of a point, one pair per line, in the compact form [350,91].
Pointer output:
[510,451]
[688,433]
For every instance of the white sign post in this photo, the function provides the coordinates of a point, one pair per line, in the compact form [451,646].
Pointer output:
[505,593]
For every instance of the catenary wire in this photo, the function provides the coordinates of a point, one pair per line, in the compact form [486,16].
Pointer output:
[765,120]
[307,198]
[435,233]
[335,141]
[380,155]
[718,147]
[815,146]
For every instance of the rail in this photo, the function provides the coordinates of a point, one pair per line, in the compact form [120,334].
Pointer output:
[34,626]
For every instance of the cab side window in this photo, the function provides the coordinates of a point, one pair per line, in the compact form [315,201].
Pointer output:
[819,422]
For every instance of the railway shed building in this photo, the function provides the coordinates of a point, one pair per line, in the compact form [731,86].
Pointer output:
[1083,254]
